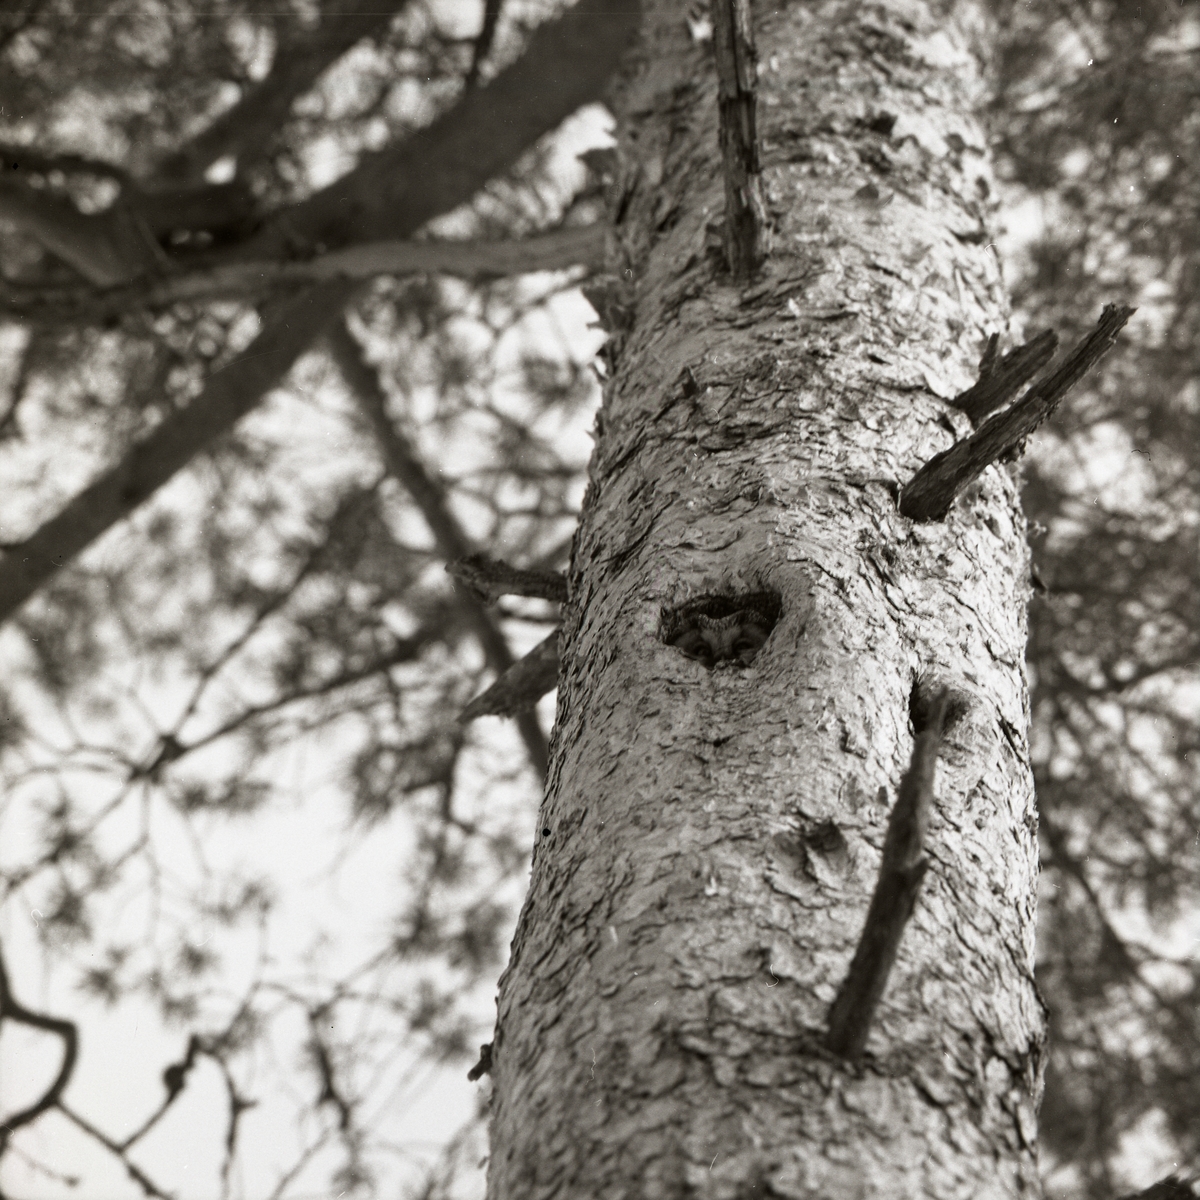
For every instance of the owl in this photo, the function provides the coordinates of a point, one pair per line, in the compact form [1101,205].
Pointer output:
[723,629]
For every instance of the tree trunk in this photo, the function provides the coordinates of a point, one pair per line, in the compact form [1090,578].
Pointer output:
[711,831]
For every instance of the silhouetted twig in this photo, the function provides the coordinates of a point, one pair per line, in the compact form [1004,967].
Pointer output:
[483,43]
[12,1010]
[1170,1188]
[484,1065]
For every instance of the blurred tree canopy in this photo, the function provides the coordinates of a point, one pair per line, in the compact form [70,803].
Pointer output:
[1097,123]
[236,791]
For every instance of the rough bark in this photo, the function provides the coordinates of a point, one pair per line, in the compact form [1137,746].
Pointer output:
[710,839]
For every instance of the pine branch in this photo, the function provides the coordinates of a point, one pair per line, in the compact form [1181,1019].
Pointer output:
[395,190]
[392,194]
[249,281]
[521,686]
[247,130]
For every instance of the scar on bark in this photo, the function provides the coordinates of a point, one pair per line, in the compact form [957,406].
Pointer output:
[900,873]
[737,82]
[932,490]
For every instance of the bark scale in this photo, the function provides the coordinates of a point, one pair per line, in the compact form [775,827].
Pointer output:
[709,839]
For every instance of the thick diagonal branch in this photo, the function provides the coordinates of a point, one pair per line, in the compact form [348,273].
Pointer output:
[521,686]
[149,463]
[490,578]
[396,190]
[247,129]
[999,382]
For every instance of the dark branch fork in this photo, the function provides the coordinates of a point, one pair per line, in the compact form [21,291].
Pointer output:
[12,1009]
[518,688]
[1000,381]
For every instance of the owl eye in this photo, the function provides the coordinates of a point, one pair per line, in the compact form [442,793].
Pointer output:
[694,645]
[746,646]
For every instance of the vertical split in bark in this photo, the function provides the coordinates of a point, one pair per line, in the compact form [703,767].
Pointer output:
[737,83]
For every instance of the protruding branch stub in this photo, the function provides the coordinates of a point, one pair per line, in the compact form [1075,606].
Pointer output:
[900,874]
[490,578]
[1001,379]
[932,490]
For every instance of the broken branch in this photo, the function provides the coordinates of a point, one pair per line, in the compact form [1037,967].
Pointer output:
[900,874]
[737,81]
[521,686]
[1000,381]
[932,490]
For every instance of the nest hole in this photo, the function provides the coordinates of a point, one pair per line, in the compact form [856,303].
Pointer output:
[725,628]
